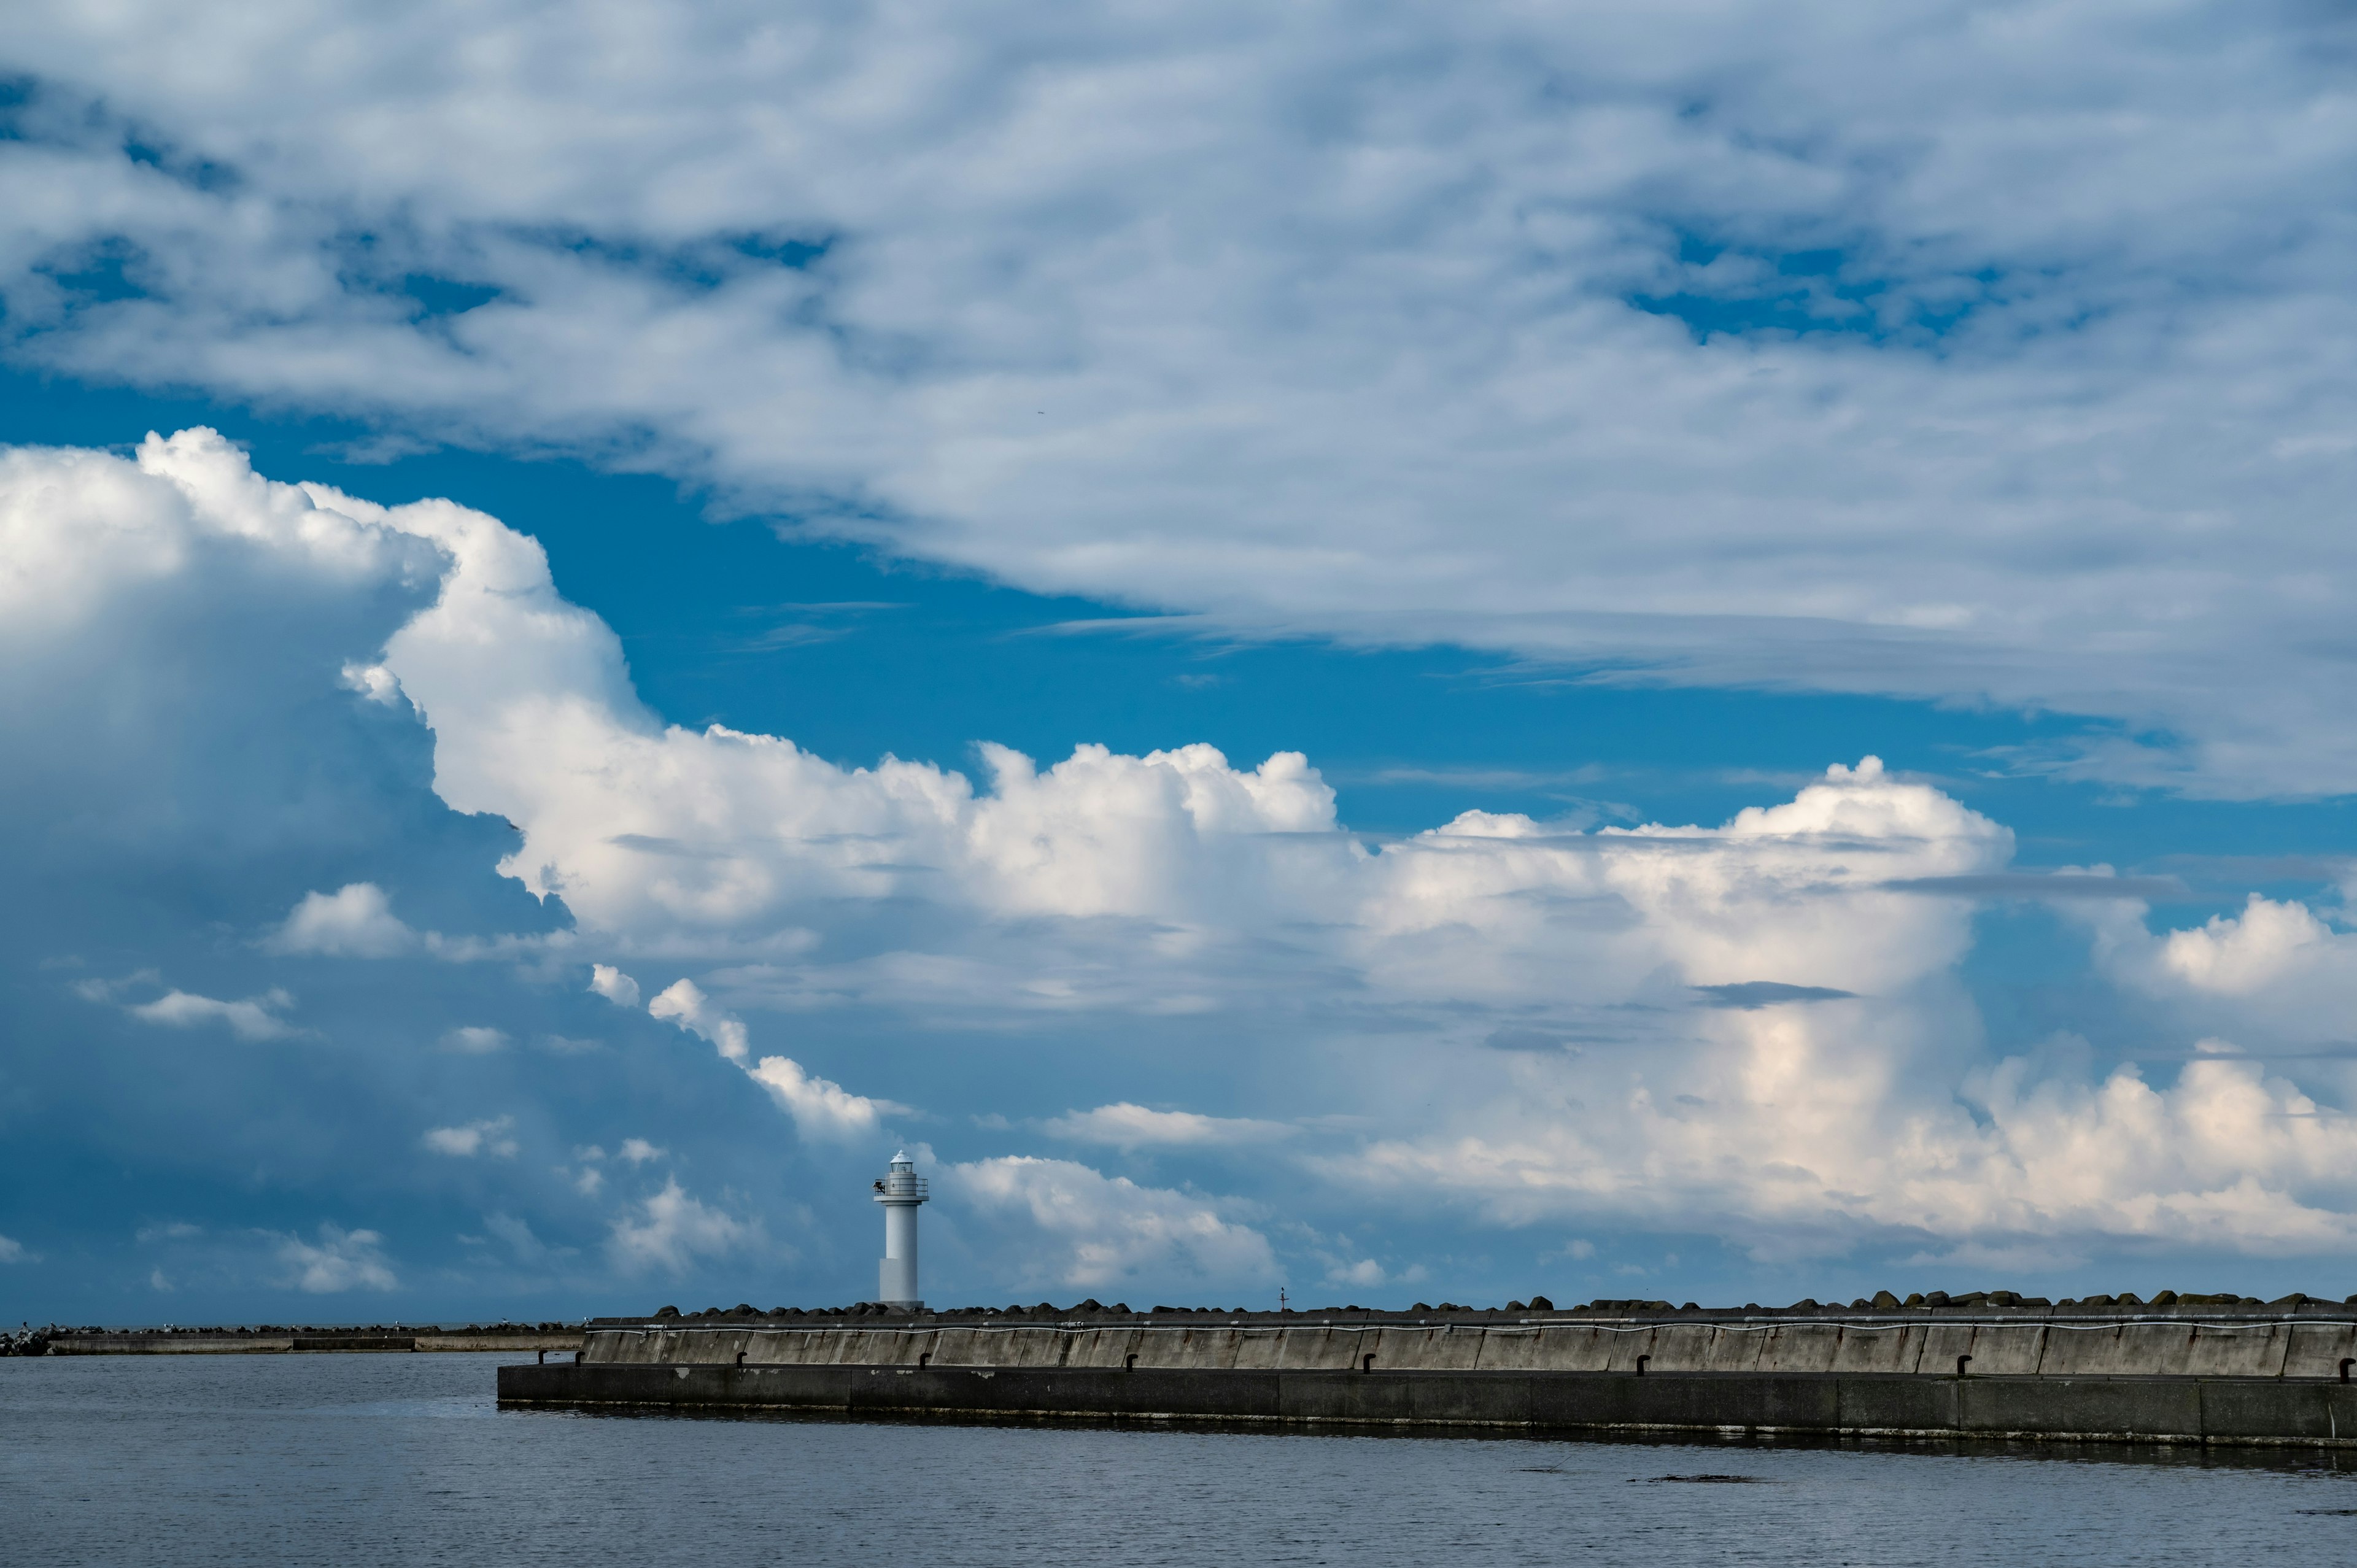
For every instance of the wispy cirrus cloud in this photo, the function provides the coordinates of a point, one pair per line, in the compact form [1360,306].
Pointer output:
[1128,1126]
[1991,399]
[252,1019]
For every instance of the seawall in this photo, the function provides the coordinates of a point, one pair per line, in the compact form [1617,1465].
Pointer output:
[299,1341]
[2237,1412]
[2304,1344]
[2264,1376]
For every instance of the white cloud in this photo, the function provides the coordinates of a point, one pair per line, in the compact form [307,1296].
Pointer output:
[475,1040]
[613,985]
[374,682]
[1110,887]
[2050,397]
[11,1252]
[1127,1126]
[2273,972]
[354,921]
[685,1003]
[2265,945]
[250,1019]
[339,1261]
[1785,1152]
[637,1150]
[1068,1225]
[487,1137]
[670,1230]
[737,845]
[820,1109]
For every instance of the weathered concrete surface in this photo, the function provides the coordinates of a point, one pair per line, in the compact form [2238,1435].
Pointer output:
[1918,1345]
[568,1341]
[2240,1411]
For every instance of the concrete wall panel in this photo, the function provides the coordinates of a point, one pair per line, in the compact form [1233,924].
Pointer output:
[767,1349]
[837,1347]
[1258,1349]
[1943,1343]
[1897,1403]
[1321,1350]
[611,1346]
[1203,1350]
[963,1347]
[1801,1347]
[911,1349]
[1036,1347]
[2006,1350]
[2133,1350]
[1452,1351]
[1623,1346]
[1508,1351]
[2074,1351]
[1734,1349]
[2278,1412]
[1876,1348]
[1682,1348]
[1109,1348]
[2095,1407]
[1400,1349]
[2317,1349]
[2257,1350]
[1572,1349]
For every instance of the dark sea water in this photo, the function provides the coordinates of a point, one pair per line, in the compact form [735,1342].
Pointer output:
[356,1460]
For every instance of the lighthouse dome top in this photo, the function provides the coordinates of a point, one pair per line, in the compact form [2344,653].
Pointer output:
[900,1184]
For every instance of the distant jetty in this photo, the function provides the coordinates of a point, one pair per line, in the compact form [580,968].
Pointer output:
[2180,1369]
[248,1339]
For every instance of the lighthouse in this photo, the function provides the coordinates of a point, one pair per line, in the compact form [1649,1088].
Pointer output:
[899,1189]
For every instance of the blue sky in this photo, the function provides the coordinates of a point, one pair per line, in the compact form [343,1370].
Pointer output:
[1620,448]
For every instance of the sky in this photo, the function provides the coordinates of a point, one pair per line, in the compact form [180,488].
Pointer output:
[1399,653]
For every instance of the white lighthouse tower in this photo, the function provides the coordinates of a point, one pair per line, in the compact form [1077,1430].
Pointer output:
[899,1189]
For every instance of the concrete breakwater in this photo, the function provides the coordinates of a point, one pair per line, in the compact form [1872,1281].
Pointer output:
[2180,1374]
[2307,1341]
[264,1341]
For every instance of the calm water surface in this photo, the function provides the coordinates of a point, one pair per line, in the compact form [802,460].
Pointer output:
[356,1460]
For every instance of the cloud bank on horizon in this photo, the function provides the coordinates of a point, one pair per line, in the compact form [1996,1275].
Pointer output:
[1962,352]
[261,728]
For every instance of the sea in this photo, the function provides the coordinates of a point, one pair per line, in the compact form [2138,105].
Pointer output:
[357,1460]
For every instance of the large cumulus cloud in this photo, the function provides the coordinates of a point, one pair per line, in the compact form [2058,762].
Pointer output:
[1939,350]
[1755,1030]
